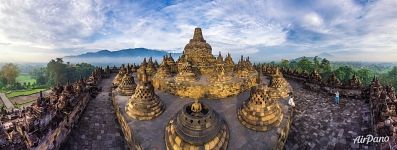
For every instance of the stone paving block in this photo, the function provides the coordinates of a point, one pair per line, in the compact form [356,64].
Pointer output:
[317,115]
[98,126]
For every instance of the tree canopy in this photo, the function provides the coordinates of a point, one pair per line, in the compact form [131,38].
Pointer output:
[9,73]
[59,72]
[343,71]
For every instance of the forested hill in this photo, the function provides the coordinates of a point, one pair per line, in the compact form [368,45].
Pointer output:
[143,52]
[134,55]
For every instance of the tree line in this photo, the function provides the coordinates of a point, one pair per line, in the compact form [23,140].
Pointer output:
[56,72]
[343,71]
[59,72]
[8,75]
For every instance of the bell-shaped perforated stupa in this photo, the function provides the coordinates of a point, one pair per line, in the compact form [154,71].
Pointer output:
[229,64]
[144,104]
[171,63]
[333,81]
[354,82]
[185,72]
[279,87]
[223,84]
[141,69]
[196,126]
[162,74]
[260,112]
[127,85]
[164,70]
[119,77]
[315,77]
[151,67]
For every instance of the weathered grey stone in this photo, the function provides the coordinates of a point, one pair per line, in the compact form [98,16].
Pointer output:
[98,127]
[316,115]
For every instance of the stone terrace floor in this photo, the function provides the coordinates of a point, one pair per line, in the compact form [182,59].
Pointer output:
[150,134]
[319,123]
[98,127]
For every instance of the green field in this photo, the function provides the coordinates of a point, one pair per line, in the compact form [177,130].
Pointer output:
[25,104]
[25,78]
[23,92]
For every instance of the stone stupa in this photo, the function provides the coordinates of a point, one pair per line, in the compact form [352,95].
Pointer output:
[185,72]
[127,85]
[223,85]
[162,74]
[144,104]
[197,68]
[141,69]
[171,63]
[260,112]
[278,87]
[199,53]
[196,126]
[315,77]
[151,67]
[333,81]
[119,77]
[354,82]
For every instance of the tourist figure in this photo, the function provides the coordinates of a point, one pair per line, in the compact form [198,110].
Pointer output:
[337,97]
[389,126]
[291,101]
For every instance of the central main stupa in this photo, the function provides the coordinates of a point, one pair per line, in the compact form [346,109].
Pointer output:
[198,69]
[198,74]
[199,53]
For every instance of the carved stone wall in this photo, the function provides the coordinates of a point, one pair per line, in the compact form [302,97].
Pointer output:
[127,131]
[55,138]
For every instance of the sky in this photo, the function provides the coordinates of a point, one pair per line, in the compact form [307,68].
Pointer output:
[345,30]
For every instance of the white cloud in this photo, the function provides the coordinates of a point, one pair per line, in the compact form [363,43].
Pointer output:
[39,30]
[45,22]
[370,34]
[46,26]
[313,20]
[224,27]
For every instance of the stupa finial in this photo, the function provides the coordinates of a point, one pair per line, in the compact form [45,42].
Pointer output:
[144,76]
[198,35]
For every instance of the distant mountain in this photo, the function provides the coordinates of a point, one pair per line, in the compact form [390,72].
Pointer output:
[135,52]
[326,55]
[321,56]
[300,58]
[132,55]
[309,58]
